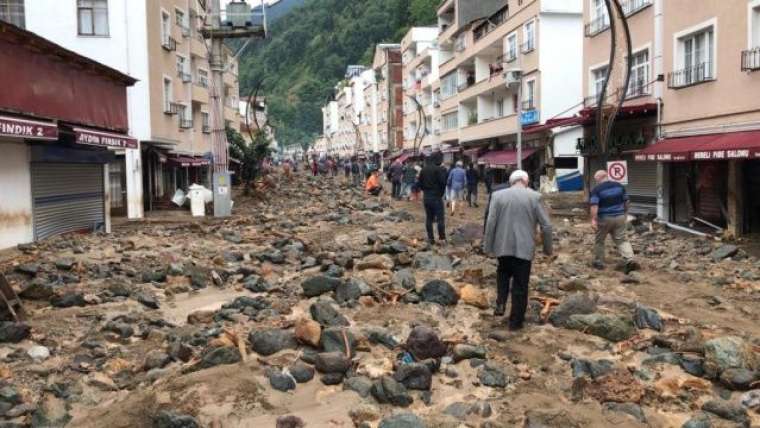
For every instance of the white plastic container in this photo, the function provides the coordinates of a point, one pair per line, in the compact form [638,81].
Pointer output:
[197,200]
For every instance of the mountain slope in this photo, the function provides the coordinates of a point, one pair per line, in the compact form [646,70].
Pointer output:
[309,49]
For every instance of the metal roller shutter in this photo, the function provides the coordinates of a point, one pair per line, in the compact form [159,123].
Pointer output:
[642,185]
[66,198]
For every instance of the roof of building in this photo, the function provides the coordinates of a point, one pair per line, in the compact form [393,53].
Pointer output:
[44,46]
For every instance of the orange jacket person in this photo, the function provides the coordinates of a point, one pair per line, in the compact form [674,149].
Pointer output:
[373,186]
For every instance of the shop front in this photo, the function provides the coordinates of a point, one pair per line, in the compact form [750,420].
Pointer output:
[711,179]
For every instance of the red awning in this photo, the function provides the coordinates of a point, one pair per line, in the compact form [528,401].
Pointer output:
[188,161]
[504,157]
[734,145]
[555,123]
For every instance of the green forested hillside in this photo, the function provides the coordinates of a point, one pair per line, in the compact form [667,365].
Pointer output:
[308,52]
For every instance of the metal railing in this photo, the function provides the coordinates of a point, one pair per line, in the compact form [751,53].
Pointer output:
[171,108]
[169,44]
[185,123]
[632,6]
[638,88]
[691,76]
[597,25]
[185,76]
[751,59]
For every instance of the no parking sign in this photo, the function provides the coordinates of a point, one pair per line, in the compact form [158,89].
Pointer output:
[618,171]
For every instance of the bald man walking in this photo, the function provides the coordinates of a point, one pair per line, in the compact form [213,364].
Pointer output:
[609,213]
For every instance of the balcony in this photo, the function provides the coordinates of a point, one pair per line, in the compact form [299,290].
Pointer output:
[691,76]
[490,128]
[470,82]
[597,25]
[202,81]
[751,59]
[491,24]
[200,94]
[171,108]
[185,123]
[591,102]
[169,44]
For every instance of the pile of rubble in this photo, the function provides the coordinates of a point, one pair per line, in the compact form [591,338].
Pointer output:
[319,307]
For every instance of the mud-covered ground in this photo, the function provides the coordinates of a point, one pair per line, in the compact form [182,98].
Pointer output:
[316,307]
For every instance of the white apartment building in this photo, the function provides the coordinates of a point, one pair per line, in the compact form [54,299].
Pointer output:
[419,57]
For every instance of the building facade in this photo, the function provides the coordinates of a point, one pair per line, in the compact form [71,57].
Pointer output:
[159,43]
[419,56]
[60,121]
[388,69]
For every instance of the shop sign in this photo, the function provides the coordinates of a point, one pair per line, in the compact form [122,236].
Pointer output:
[27,129]
[663,157]
[89,137]
[721,154]
[529,117]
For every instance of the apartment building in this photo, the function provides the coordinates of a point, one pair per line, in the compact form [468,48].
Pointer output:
[481,45]
[158,42]
[705,148]
[419,56]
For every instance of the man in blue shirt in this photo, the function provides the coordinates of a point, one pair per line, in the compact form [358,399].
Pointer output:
[609,213]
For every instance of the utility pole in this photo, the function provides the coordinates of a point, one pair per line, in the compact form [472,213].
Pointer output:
[239,26]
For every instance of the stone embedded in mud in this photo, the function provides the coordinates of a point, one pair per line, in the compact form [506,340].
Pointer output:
[147,300]
[751,400]
[614,328]
[38,289]
[380,336]
[166,419]
[402,420]
[701,420]
[723,252]
[158,275]
[332,378]
[68,300]
[121,328]
[336,339]
[575,304]
[474,296]
[301,372]
[387,390]
[405,279]
[51,413]
[156,359]
[363,414]
[723,353]
[65,263]
[351,290]
[289,421]
[13,332]
[550,418]
[465,352]
[280,380]
[318,285]
[440,292]
[491,375]
[256,284]
[359,384]
[645,317]
[219,356]
[739,379]
[423,343]
[414,376]
[324,313]
[594,369]
[102,381]
[308,332]
[375,261]
[268,342]
[727,410]
[632,409]
[10,395]
[332,362]
[432,262]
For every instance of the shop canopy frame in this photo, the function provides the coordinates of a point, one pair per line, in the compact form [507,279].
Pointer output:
[710,147]
[504,157]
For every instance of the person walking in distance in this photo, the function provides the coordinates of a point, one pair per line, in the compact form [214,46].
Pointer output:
[509,236]
[408,180]
[457,183]
[347,170]
[473,178]
[356,174]
[609,216]
[488,179]
[432,183]
[396,176]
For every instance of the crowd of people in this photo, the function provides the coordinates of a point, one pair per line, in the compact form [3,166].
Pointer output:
[512,214]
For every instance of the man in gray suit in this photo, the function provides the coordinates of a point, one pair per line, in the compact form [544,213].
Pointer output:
[510,228]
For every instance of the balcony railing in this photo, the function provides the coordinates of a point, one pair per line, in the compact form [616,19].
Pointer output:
[185,76]
[528,105]
[202,81]
[491,24]
[691,76]
[171,108]
[597,25]
[169,44]
[638,88]
[206,129]
[528,46]
[185,123]
[751,59]
[632,6]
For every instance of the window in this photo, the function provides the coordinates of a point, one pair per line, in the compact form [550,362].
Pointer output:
[179,18]
[181,66]
[598,77]
[203,78]
[639,84]
[12,11]
[529,35]
[450,121]
[510,48]
[530,95]
[166,29]
[696,59]
[500,107]
[449,86]
[93,17]
[168,96]
[755,35]
[600,18]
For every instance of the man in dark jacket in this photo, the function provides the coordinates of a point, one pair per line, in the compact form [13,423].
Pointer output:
[432,182]
[473,178]
[396,173]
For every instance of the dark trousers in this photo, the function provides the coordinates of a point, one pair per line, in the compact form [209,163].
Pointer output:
[435,213]
[396,189]
[375,191]
[517,272]
[472,195]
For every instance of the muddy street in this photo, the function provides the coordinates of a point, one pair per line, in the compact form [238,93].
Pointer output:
[317,306]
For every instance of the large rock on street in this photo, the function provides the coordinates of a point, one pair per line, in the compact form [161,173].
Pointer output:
[414,376]
[387,390]
[268,342]
[575,304]
[13,332]
[165,419]
[332,362]
[727,410]
[724,252]
[38,289]
[614,328]
[351,290]
[402,420]
[308,332]
[432,262]
[337,339]
[727,352]
[219,356]
[440,292]
[325,314]
[474,296]
[424,343]
[318,285]
[375,261]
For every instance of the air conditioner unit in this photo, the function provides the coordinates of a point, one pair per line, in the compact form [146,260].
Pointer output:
[512,76]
